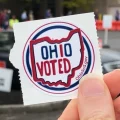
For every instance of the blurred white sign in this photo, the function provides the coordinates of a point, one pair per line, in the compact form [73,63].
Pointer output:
[5,79]
[107,21]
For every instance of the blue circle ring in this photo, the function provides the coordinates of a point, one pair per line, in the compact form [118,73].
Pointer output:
[58,27]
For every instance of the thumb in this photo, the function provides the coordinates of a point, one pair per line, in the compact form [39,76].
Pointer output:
[94,100]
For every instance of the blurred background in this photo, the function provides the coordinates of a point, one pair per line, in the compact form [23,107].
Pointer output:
[39,9]
[14,11]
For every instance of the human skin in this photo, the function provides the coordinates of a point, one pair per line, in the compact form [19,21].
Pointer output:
[96,103]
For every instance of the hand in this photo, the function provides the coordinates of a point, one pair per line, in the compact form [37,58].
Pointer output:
[97,99]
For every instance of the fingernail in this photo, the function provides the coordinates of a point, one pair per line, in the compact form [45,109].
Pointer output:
[92,85]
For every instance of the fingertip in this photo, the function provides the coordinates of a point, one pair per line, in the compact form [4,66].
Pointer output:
[93,97]
[92,76]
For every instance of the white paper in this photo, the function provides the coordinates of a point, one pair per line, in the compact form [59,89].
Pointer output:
[53,54]
[107,21]
[6,76]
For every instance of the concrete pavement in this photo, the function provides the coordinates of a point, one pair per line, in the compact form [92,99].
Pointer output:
[39,108]
[113,39]
[52,115]
[49,111]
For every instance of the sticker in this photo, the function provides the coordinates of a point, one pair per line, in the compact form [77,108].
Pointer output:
[54,54]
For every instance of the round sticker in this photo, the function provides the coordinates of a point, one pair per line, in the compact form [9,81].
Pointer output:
[56,56]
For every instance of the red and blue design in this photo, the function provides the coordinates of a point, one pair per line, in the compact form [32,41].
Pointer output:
[47,34]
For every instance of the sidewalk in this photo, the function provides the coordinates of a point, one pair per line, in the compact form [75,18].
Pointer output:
[49,111]
[41,108]
[52,115]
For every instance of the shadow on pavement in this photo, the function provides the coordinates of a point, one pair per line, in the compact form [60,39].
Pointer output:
[15,97]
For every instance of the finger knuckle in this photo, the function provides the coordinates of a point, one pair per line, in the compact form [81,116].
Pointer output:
[98,116]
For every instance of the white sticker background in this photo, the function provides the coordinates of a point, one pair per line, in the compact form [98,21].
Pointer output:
[31,93]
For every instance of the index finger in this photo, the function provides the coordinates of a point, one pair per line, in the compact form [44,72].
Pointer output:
[112,80]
